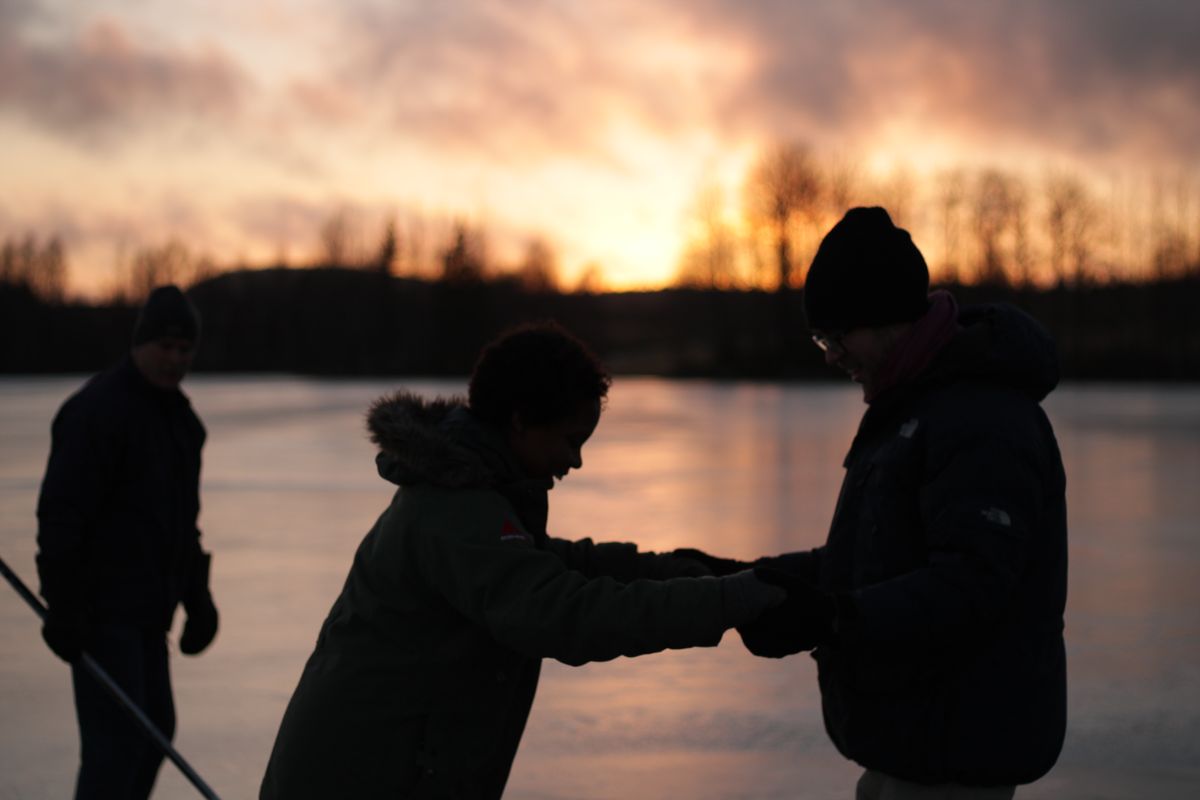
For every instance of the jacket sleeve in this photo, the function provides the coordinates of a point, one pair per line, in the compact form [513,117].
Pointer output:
[198,559]
[622,560]
[979,510]
[804,564]
[84,456]
[614,559]
[528,599]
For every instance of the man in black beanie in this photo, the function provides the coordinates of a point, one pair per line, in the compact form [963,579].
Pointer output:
[118,546]
[935,608]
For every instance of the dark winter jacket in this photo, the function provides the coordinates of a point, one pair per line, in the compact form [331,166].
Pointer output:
[949,548]
[426,667]
[117,512]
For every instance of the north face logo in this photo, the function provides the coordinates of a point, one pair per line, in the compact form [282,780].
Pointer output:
[510,532]
[997,516]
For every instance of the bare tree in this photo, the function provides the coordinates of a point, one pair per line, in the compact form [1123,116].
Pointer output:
[389,247]
[710,257]
[994,210]
[8,264]
[413,259]
[157,266]
[335,244]
[1021,273]
[896,195]
[784,187]
[1070,212]
[590,280]
[463,259]
[538,270]
[951,197]
[49,276]
[40,268]
[343,242]
[1170,215]
[843,182]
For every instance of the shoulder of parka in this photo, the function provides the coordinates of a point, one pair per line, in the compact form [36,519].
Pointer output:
[467,516]
[1001,345]
[1000,421]
[103,403]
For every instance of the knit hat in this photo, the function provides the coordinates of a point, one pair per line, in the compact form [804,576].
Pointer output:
[167,313]
[866,273]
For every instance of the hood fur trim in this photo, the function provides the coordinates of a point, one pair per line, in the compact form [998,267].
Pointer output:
[415,446]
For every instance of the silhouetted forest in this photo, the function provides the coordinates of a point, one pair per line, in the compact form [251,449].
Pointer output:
[1111,268]
[351,322]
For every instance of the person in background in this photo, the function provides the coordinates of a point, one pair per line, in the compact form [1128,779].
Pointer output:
[935,608]
[118,546]
[425,669]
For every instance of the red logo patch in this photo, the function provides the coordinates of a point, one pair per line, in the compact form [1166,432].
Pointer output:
[509,532]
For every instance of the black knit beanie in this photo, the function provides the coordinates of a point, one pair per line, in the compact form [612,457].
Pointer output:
[167,313]
[867,273]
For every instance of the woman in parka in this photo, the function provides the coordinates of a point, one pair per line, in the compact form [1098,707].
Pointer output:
[426,667]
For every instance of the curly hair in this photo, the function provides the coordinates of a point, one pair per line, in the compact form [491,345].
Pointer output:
[538,370]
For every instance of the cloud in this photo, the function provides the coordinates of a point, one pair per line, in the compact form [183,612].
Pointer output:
[525,78]
[105,81]
[1104,76]
[515,78]
[286,222]
[580,118]
[323,101]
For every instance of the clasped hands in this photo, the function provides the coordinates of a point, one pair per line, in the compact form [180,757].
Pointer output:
[805,619]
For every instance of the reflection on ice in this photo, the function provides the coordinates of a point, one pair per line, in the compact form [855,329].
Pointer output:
[737,469]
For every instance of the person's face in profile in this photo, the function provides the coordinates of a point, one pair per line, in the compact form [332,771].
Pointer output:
[552,449]
[859,352]
[164,362]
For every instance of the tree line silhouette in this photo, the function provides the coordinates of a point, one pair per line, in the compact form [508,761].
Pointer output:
[986,224]
[1114,276]
[346,322]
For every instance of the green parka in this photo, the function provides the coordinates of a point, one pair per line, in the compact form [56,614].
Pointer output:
[426,667]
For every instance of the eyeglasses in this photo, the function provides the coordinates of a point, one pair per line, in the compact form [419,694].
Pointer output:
[828,341]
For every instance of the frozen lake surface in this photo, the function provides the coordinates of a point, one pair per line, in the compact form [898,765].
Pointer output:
[740,470]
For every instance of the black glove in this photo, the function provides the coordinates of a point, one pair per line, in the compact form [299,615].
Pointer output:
[714,564]
[802,564]
[200,628]
[803,621]
[63,632]
[744,597]
[66,616]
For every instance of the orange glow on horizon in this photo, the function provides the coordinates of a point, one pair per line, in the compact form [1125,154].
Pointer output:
[240,132]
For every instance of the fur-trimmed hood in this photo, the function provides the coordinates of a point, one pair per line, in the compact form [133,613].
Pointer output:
[437,442]
[441,443]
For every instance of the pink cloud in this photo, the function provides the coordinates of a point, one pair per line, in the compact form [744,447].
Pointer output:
[105,80]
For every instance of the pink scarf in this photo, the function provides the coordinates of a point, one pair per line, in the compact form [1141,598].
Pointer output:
[914,353]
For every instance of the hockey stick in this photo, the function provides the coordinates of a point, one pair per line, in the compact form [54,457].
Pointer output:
[117,693]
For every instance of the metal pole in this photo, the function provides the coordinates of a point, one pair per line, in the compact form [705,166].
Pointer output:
[117,693]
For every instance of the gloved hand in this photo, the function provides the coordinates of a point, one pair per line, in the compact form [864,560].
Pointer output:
[803,564]
[62,581]
[803,621]
[714,564]
[685,563]
[63,632]
[744,597]
[200,628]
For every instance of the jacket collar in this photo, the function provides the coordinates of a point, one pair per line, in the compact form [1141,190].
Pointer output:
[441,443]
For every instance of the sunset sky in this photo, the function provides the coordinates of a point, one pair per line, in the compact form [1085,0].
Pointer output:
[239,127]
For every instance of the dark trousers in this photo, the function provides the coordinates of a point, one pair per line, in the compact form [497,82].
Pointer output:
[118,760]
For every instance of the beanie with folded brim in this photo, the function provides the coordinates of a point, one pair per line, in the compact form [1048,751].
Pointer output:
[167,314]
[867,273]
